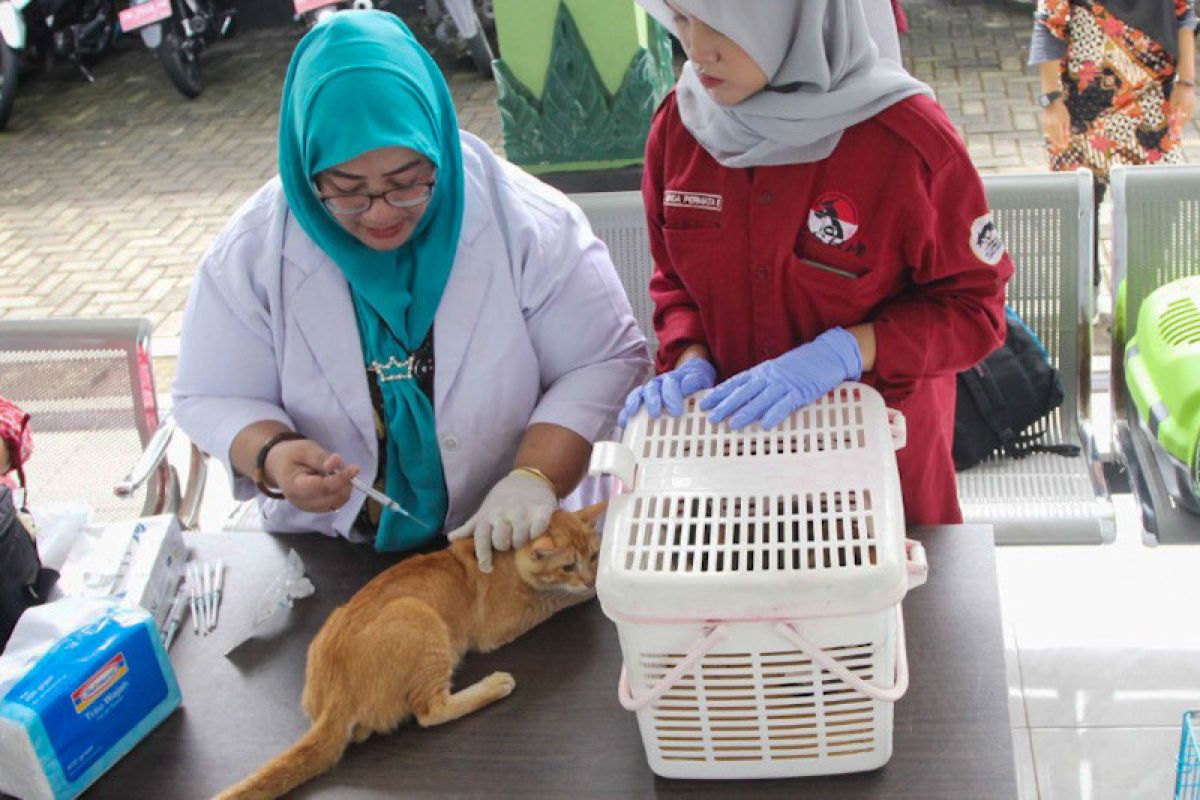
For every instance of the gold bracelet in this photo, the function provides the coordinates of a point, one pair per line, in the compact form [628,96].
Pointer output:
[537,473]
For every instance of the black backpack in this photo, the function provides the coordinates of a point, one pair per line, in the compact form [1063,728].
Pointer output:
[1003,395]
[23,582]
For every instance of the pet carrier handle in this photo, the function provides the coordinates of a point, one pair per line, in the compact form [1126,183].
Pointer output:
[898,427]
[830,664]
[698,651]
[613,458]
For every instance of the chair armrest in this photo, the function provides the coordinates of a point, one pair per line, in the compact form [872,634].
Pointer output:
[193,493]
[151,458]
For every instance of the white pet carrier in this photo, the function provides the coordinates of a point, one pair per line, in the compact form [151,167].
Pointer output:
[755,578]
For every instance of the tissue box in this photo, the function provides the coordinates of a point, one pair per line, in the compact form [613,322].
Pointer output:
[139,560]
[75,698]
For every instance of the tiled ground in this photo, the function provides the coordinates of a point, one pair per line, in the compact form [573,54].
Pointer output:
[1104,658]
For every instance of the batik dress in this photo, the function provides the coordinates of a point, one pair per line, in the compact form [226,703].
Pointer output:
[14,430]
[1116,83]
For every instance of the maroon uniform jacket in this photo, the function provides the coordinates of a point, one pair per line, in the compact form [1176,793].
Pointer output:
[892,228]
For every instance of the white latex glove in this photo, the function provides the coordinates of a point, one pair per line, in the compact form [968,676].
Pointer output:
[516,510]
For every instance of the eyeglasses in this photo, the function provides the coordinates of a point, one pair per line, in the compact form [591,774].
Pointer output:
[349,205]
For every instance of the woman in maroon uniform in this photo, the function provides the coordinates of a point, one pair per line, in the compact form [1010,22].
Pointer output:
[814,218]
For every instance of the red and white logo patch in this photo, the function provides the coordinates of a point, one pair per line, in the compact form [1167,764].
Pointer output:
[833,218]
[706,202]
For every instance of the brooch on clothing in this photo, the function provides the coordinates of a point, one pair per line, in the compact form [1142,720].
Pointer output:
[393,369]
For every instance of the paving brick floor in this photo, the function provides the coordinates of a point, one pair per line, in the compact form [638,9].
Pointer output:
[111,191]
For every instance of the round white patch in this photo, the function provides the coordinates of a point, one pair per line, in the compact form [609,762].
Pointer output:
[985,240]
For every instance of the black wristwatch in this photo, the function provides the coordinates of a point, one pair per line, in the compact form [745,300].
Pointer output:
[1046,100]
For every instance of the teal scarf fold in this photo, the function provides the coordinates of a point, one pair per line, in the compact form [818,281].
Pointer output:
[357,82]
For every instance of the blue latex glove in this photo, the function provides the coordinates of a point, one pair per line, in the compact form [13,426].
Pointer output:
[774,389]
[669,390]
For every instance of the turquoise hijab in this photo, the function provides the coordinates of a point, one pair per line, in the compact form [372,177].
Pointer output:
[357,82]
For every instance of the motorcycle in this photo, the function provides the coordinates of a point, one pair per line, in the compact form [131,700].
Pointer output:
[455,22]
[34,33]
[178,30]
[464,22]
[313,11]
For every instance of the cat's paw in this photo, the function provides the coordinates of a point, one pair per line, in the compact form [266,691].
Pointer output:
[501,683]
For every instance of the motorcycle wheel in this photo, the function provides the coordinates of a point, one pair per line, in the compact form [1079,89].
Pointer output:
[8,81]
[481,53]
[182,67]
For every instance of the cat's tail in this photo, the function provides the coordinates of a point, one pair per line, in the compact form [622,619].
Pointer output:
[314,753]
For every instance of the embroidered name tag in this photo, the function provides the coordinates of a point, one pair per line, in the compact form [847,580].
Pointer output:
[708,202]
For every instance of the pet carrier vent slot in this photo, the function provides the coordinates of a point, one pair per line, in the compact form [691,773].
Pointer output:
[812,531]
[1180,322]
[831,424]
[769,706]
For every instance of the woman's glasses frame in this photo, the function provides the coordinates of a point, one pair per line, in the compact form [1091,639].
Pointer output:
[353,205]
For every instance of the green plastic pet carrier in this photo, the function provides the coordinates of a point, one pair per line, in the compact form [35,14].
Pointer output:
[1162,371]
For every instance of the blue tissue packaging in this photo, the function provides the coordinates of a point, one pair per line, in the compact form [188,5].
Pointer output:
[72,711]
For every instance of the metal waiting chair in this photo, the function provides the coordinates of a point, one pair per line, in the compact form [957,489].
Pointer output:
[1046,221]
[1156,239]
[88,385]
[619,219]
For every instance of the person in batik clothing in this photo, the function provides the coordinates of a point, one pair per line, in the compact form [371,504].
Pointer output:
[1118,82]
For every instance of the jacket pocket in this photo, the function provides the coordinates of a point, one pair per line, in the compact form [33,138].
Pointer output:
[830,269]
[841,292]
[825,274]
[693,246]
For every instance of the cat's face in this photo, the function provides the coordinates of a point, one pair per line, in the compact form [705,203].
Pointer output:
[564,558]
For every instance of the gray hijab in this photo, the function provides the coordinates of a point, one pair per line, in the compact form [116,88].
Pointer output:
[824,75]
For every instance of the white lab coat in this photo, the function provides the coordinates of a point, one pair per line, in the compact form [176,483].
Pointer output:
[533,327]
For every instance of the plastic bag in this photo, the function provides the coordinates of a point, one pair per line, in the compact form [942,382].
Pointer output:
[280,595]
[58,527]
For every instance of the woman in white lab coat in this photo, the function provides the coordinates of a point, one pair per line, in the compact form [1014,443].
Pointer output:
[404,306]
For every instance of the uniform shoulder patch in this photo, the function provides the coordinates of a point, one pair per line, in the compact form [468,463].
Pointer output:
[985,240]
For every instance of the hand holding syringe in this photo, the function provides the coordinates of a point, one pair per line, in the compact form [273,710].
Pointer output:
[320,482]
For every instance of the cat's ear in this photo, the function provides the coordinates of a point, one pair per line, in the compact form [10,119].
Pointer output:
[589,515]
[542,548]
[542,552]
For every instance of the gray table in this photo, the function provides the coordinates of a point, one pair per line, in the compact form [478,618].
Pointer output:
[562,733]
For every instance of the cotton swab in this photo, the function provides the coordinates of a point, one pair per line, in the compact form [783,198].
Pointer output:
[218,582]
[206,603]
[193,582]
[178,607]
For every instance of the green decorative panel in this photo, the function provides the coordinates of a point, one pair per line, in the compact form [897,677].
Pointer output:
[576,120]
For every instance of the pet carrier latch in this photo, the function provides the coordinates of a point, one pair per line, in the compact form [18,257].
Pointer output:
[898,427]
[918,565]
[613,458]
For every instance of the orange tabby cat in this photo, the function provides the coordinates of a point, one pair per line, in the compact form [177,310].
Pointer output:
[390,652]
